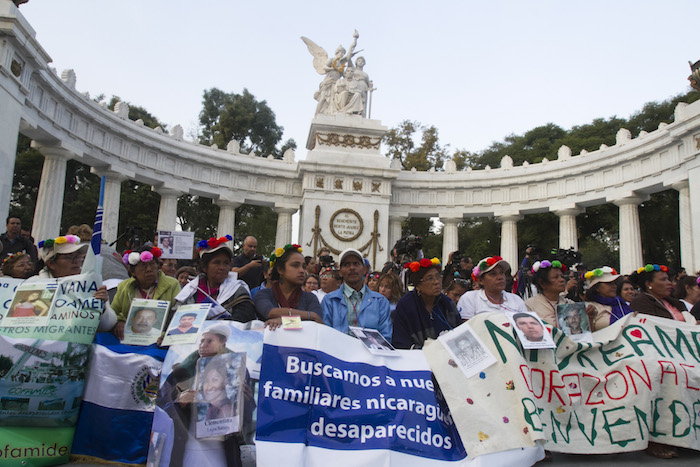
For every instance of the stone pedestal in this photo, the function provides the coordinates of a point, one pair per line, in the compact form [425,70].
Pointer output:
[509,240]
[49,201]
[227,217]
[346,188]
[630,234]
[167,214]
[450,239]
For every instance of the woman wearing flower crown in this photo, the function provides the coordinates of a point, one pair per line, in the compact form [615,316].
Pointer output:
[490,273]
[285,296]
[63,256]
[425,312]
[655,294]
[217,284]
[601,292]
[146,282]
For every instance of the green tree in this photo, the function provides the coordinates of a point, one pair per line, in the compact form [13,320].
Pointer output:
[400,143]
[241,117]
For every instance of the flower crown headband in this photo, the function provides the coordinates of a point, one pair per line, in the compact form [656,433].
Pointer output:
[52,242]
[133,257]
[213,242]
[11,256]
[485,264]
[599,272]
[652,267]
[424,263]
[281,251]
[548,264]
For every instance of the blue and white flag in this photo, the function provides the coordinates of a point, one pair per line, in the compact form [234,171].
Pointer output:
[325,399]
[93,260]
[117,409]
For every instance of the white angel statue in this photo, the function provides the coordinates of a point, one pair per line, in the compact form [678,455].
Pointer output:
[333,68]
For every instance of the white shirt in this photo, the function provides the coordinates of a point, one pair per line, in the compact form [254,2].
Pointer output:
[475,301]
[319,294]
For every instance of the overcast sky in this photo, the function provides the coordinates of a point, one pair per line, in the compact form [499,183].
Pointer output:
[478,71]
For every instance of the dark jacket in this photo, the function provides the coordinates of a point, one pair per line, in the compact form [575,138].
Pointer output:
[413,325]
[647,304]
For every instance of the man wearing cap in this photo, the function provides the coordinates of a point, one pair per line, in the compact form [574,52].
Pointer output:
[354,304]
[491,275]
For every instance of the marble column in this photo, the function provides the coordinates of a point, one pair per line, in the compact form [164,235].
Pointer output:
[227,217]
[49,201]
[630,234]
[450,239]
[284,226]
[10,116]
[395,231]
[568,236]
[113,191]
[167,214]
[509,240]
[685,227]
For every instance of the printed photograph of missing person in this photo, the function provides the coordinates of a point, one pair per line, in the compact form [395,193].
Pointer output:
[466,348]
[573,319]
[146,321]
[219,382]
[531,331]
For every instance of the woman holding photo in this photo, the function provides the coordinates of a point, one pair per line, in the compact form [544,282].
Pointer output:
[216,284]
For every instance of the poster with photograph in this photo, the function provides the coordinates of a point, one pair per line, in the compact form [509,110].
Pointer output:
[374,341]
[186,323]
[145,321]
[467,350]
[43,382]
[530,330]
[219,399]
[30,305]
[176,245]
[573,321]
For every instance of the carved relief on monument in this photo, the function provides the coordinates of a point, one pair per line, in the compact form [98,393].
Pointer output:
[338,184]
[357,185]
[347,141]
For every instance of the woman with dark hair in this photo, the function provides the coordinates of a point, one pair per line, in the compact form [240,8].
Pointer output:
[217,284]
[285,297]
[601,292]
[626,290]
[687,291]
[548,277]
[372,281]
[390,286]
[330,281]
[457,288]
[425,312]
[185,274]
[655,297]
[147,281]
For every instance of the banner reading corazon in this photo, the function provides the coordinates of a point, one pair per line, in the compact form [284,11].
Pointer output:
[325,399]
[639,381]
[41,391]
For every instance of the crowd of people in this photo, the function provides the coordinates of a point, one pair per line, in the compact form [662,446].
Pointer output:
[410,301]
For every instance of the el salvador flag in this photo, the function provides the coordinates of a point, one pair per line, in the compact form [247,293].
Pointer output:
[93,260]
[117,410]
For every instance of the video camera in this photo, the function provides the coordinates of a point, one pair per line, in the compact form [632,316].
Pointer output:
[568,257]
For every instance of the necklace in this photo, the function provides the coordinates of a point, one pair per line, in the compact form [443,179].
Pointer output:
[494,301]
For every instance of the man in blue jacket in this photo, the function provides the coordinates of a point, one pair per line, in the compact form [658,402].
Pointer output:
[353,304]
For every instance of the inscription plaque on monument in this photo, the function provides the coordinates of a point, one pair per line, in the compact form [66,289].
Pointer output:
[346,225]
